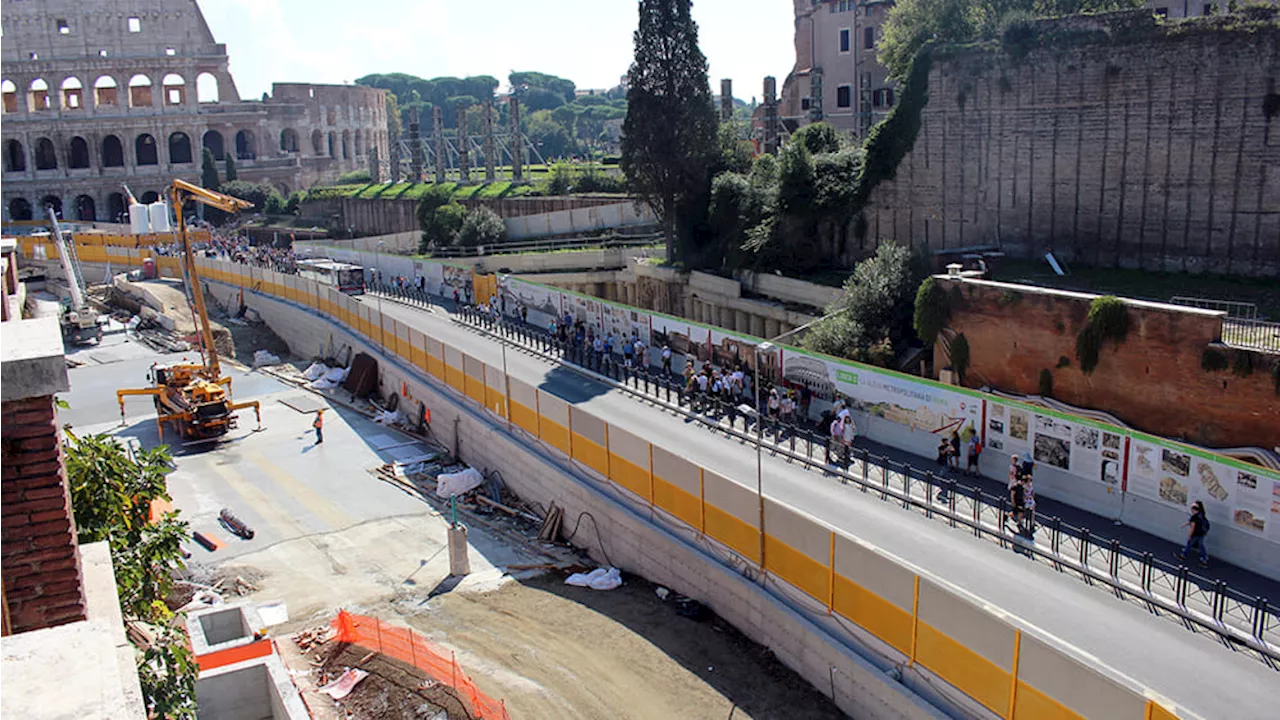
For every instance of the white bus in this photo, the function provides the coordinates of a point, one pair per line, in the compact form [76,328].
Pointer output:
[346,278]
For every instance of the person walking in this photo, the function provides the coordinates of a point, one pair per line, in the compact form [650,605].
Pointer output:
[1199,528]
[975,450]
[666,359]
[788,409]
[954,458]
[848,433]
[318,424]
[836,437]
[943,459]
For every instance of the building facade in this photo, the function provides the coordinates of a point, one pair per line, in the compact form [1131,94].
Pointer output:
[99,94]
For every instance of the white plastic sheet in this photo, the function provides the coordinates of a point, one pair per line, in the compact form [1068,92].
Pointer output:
[345,683]
[264,357]
[315,371]
[598,579]
[451,484]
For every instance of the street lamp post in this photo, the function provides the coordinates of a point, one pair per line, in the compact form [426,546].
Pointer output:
[763,347]
[377,254]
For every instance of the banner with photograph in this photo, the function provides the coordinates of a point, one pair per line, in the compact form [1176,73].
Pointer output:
[543,302]
[918,404]
[1236,495]
[582,309]
[667,330]
[1091,451]
[728,349]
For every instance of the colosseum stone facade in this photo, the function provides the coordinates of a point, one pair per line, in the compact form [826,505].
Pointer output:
[103,93]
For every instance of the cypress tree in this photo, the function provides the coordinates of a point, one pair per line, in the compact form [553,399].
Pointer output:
[231,168]
[669,134]
[209,171]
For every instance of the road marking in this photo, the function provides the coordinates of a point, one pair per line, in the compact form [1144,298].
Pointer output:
[281,522]
[319,506]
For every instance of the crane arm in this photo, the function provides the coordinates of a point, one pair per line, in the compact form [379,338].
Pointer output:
[212,198]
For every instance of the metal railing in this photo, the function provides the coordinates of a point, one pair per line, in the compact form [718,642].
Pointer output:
[548,245]
[1234,310]
[1164,587]
[1252,334]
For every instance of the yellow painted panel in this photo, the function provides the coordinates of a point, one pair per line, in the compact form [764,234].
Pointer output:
[629,475]
[676,501]
[873,613]
[454,376]
[554,434]
[524,417]
[1031,704]
[733,532]
[591,454]
[494,401]
[418,357]
[796,568]
[972,674]
[1156,711]
[435,366]
[474,387]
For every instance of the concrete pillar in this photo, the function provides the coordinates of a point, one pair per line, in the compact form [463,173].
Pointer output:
[757,326]
[726,100]
[464,146]
[771,328]
[437,134]
[488,141]
[770,115]
[516,139]
[415,147]
[740,321]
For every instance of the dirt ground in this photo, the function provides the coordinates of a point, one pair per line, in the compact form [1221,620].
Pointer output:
[393,690]
[233,337]
[556,651]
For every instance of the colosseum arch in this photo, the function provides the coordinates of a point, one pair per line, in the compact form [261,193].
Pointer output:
[346,144]
[10,95]
[115,207]
[206,88]
[139,91]
[289,140]
[72,93]
[359,145]
[38,95]
[78,153]
[180,148]
[20,209]
[175,89]
[333,144]
[144,148]
[46,155]
[112,152]
[51,201]
[149,197]
[213,140]
[246,145]
[15,156]
[105,91]
[86,209]
[317,142]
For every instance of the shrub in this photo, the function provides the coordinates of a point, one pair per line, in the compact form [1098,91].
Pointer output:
[960,356]
[1046,383]
[1108,319]
[1242,363]
[442,226]
[481,226]
[353,177]
[932,310]
[1213,360]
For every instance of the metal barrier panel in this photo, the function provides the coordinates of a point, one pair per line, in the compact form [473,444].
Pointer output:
[524,405]
[1053,685]
[435,358]
[418,349]
[874,592]
[553,421]
[629,462]
[473,378]
[589,440]
[495,390]
[402,341]
[965,645]
[797,548]
[677,487]
[453,370]
[732,514]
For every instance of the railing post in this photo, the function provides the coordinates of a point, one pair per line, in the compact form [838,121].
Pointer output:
[1219,599]
[906,486]
[1115,558]
[1180,588]
[1259,617]
[1084,547]
[1146,572]
[928,494]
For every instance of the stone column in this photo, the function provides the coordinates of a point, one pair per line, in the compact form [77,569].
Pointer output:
[464,146]
[770,115]
[516,139]
[489,144]
[726,100]
[415,146]
[437,133]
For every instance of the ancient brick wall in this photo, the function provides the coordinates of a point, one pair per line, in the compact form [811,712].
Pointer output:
[41,565]
[1152,381]
[1113,140]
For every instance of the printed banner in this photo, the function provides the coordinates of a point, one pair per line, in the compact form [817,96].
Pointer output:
[543,302]
[1086,450]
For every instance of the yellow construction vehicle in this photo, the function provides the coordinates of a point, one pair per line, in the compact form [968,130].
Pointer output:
[196,398]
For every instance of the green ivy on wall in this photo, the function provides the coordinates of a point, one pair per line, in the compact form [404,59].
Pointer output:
[1108,320]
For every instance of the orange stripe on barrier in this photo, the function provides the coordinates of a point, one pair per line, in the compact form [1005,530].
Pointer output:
[407,646]
[231,656]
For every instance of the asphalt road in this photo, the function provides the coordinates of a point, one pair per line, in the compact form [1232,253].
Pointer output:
[1193,671]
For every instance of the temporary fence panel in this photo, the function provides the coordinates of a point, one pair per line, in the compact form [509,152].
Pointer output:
[965,645]
[629,462]
[589,440]
[473,378]
[495,390]
[435,358]
[553,421]
[1053,685]
[798,549]
[732,514]
[418,349]
[874,592]
[403,346]
[677,487]
[453,369]
[524,405]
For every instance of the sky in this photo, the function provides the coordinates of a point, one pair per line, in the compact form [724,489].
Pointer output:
[586,41]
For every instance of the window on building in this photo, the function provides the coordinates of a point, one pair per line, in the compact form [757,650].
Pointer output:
[63,27]
[844,40]
[844,95]
[35,56]
[1162,12]
[804,103]
[170,51]
[135,25]
[868,38]
[102,53]
[882,97]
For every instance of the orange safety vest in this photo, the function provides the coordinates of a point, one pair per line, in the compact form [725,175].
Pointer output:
[318,422]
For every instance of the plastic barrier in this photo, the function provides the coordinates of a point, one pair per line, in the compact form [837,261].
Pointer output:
[409,647]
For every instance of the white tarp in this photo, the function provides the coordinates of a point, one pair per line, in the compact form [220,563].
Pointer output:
[452,484]
[598,579]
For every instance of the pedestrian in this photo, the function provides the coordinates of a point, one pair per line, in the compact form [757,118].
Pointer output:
[943,459]
[318,424]
[955,450]
[666,359]
[849,432]
[1028,524]
[806,397]
[774,405]
[835,438]
[788,409]
[1199,528]
[628,352]
[975,450]
[642,355]
[524,314]
[1018,501]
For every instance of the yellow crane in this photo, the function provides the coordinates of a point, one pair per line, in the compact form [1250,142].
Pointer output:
[197,398]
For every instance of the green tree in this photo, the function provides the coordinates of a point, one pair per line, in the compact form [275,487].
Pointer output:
[872,319]
[443,226]
[735,152]
[481,226]
[111,495]
[550,137]
[393,117]
[669,134]
[259,194]
[818,138]
[209,170]
[232,172]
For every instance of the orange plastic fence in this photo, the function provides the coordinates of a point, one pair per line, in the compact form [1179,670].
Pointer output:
[407,646]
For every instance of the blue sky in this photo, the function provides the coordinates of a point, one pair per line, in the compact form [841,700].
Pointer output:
[587,41]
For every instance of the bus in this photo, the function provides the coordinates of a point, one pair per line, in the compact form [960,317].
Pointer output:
[346,278]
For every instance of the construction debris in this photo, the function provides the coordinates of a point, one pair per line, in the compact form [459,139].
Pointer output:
[551,525]
[598,579]
[345,683]
[234,525]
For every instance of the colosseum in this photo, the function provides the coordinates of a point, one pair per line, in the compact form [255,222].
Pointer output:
[104,93]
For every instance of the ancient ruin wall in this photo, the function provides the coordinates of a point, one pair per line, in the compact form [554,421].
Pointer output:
[1113,141]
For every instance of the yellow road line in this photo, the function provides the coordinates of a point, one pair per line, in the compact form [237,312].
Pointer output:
[317,504]
[261,504]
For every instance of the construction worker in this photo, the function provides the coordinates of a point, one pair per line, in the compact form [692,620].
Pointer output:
[318,424]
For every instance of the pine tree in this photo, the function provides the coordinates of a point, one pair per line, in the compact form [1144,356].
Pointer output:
[669,134]
[231,168]
[209,171]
